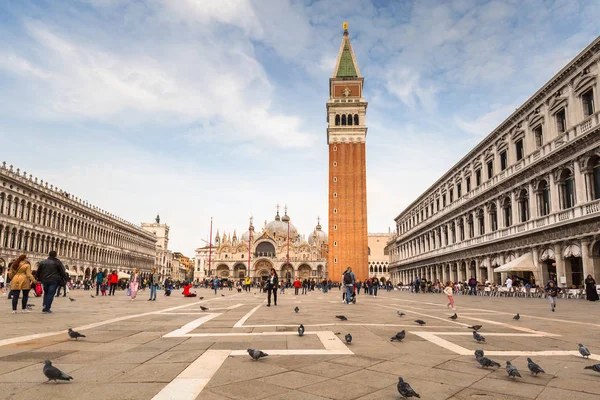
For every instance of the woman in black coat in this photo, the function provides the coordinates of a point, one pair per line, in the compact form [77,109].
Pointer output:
[590,289]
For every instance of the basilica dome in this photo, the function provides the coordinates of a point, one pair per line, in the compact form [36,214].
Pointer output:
[279,227]
[317,236]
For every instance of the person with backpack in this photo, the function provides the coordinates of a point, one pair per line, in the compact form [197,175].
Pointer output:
[472,287]
[99,280]
[21,280]
[51,273]
[349,279]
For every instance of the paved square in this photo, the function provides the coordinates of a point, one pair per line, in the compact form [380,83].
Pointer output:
[170,349]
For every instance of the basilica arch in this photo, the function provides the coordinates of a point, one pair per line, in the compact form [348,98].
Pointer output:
[287,272]
[304,271]
[223,271]
[262,268]
[239,271]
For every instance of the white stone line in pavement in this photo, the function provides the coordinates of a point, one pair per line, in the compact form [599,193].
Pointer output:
[430,316]
[34,336]
[192,380]
[539,334]
[190,326]
[539,353]
[242,320]
[511,326]
[443,343]
[342,324]
[212,309]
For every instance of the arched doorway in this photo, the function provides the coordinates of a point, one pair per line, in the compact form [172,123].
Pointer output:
[239,271]
[573,265]
[223,271]
[548,265]
[262,268]
[88,273]
[304,271]
[287,272]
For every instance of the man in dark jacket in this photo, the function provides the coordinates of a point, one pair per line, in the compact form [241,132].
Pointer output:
[51,272]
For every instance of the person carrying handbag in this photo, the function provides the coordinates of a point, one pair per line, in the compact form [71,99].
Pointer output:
[271,287]
[51,273]
[20,281]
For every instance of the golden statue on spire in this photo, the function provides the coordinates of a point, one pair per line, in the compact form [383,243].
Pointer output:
[345,25]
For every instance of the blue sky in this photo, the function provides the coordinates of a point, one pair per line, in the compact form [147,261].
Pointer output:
[200,108]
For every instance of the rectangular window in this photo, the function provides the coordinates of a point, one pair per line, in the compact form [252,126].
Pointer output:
[519,149]
[490,169]
[468,180]
[451,192]
[587,100]
[503,160]
[561,121]
[477,177]
[538,135]
[437,205]
[444,200]
[458,190]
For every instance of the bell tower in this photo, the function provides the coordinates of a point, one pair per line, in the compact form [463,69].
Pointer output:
[346,138]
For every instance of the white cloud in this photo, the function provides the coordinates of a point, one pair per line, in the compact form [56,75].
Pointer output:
[485,124]
[407,86]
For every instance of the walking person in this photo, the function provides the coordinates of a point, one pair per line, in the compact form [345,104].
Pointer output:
[590,289]
[552,291]
[272,283]
[134,283]
[448,292]
[99,280]
[297,285]
[349,279]
[153,282]
[20,281]
[215,284]
[113,280]
[51,273]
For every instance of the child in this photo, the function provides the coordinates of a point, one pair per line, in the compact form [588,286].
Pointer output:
[448,292]
[552,291]
[103,288]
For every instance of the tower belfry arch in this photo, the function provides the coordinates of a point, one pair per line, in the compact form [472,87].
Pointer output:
[346,138]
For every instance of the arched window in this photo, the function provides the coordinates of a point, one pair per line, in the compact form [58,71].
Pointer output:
[523,201]
[369,250]
[566,189]
[471,225]
[344,119]
[543,198]
[595,178]
[349,119]
[371,268]
[355,119]
[337,120]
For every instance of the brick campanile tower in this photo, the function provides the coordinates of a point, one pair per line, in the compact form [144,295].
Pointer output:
[346,137]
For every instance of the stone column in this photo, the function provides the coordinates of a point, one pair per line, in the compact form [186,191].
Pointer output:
[541,277]
[579,184]
[586,260]
[554,196]
[560,265]
[514,208]
[477,271]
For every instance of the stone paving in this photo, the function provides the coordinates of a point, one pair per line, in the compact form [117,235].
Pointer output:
[171,349]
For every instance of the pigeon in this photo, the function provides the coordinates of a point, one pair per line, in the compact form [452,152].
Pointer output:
[584,351]
[478,353]
[405,390]
[301,330]
[296,309]
[486,362]
[92,296]
[201,298]
[75,335]
[512,370]
[54,374]
[595,367]
[478,337]
[453,316]
[401,314]
[420,322]
[534,368]
[517,317]
[222,295]
[398,336]
[348,338]
[341,318]
[204,308]
[475,327]
[71,299]
[256,354]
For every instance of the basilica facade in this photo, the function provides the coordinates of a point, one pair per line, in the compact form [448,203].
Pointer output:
[525,201]
[278,244]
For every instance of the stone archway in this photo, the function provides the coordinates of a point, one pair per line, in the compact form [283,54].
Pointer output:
[262,274]
[223,271]
[239,271]
[304,271]
[262,268]
[287,272]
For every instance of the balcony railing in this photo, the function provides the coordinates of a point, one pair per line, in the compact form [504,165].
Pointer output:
[581,210]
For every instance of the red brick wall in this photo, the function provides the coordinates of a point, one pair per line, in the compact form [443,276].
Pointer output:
[351,205]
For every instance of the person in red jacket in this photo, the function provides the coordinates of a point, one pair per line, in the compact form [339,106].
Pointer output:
[113,281]
[297,286]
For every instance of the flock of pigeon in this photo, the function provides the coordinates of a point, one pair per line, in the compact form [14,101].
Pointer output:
[404,388]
